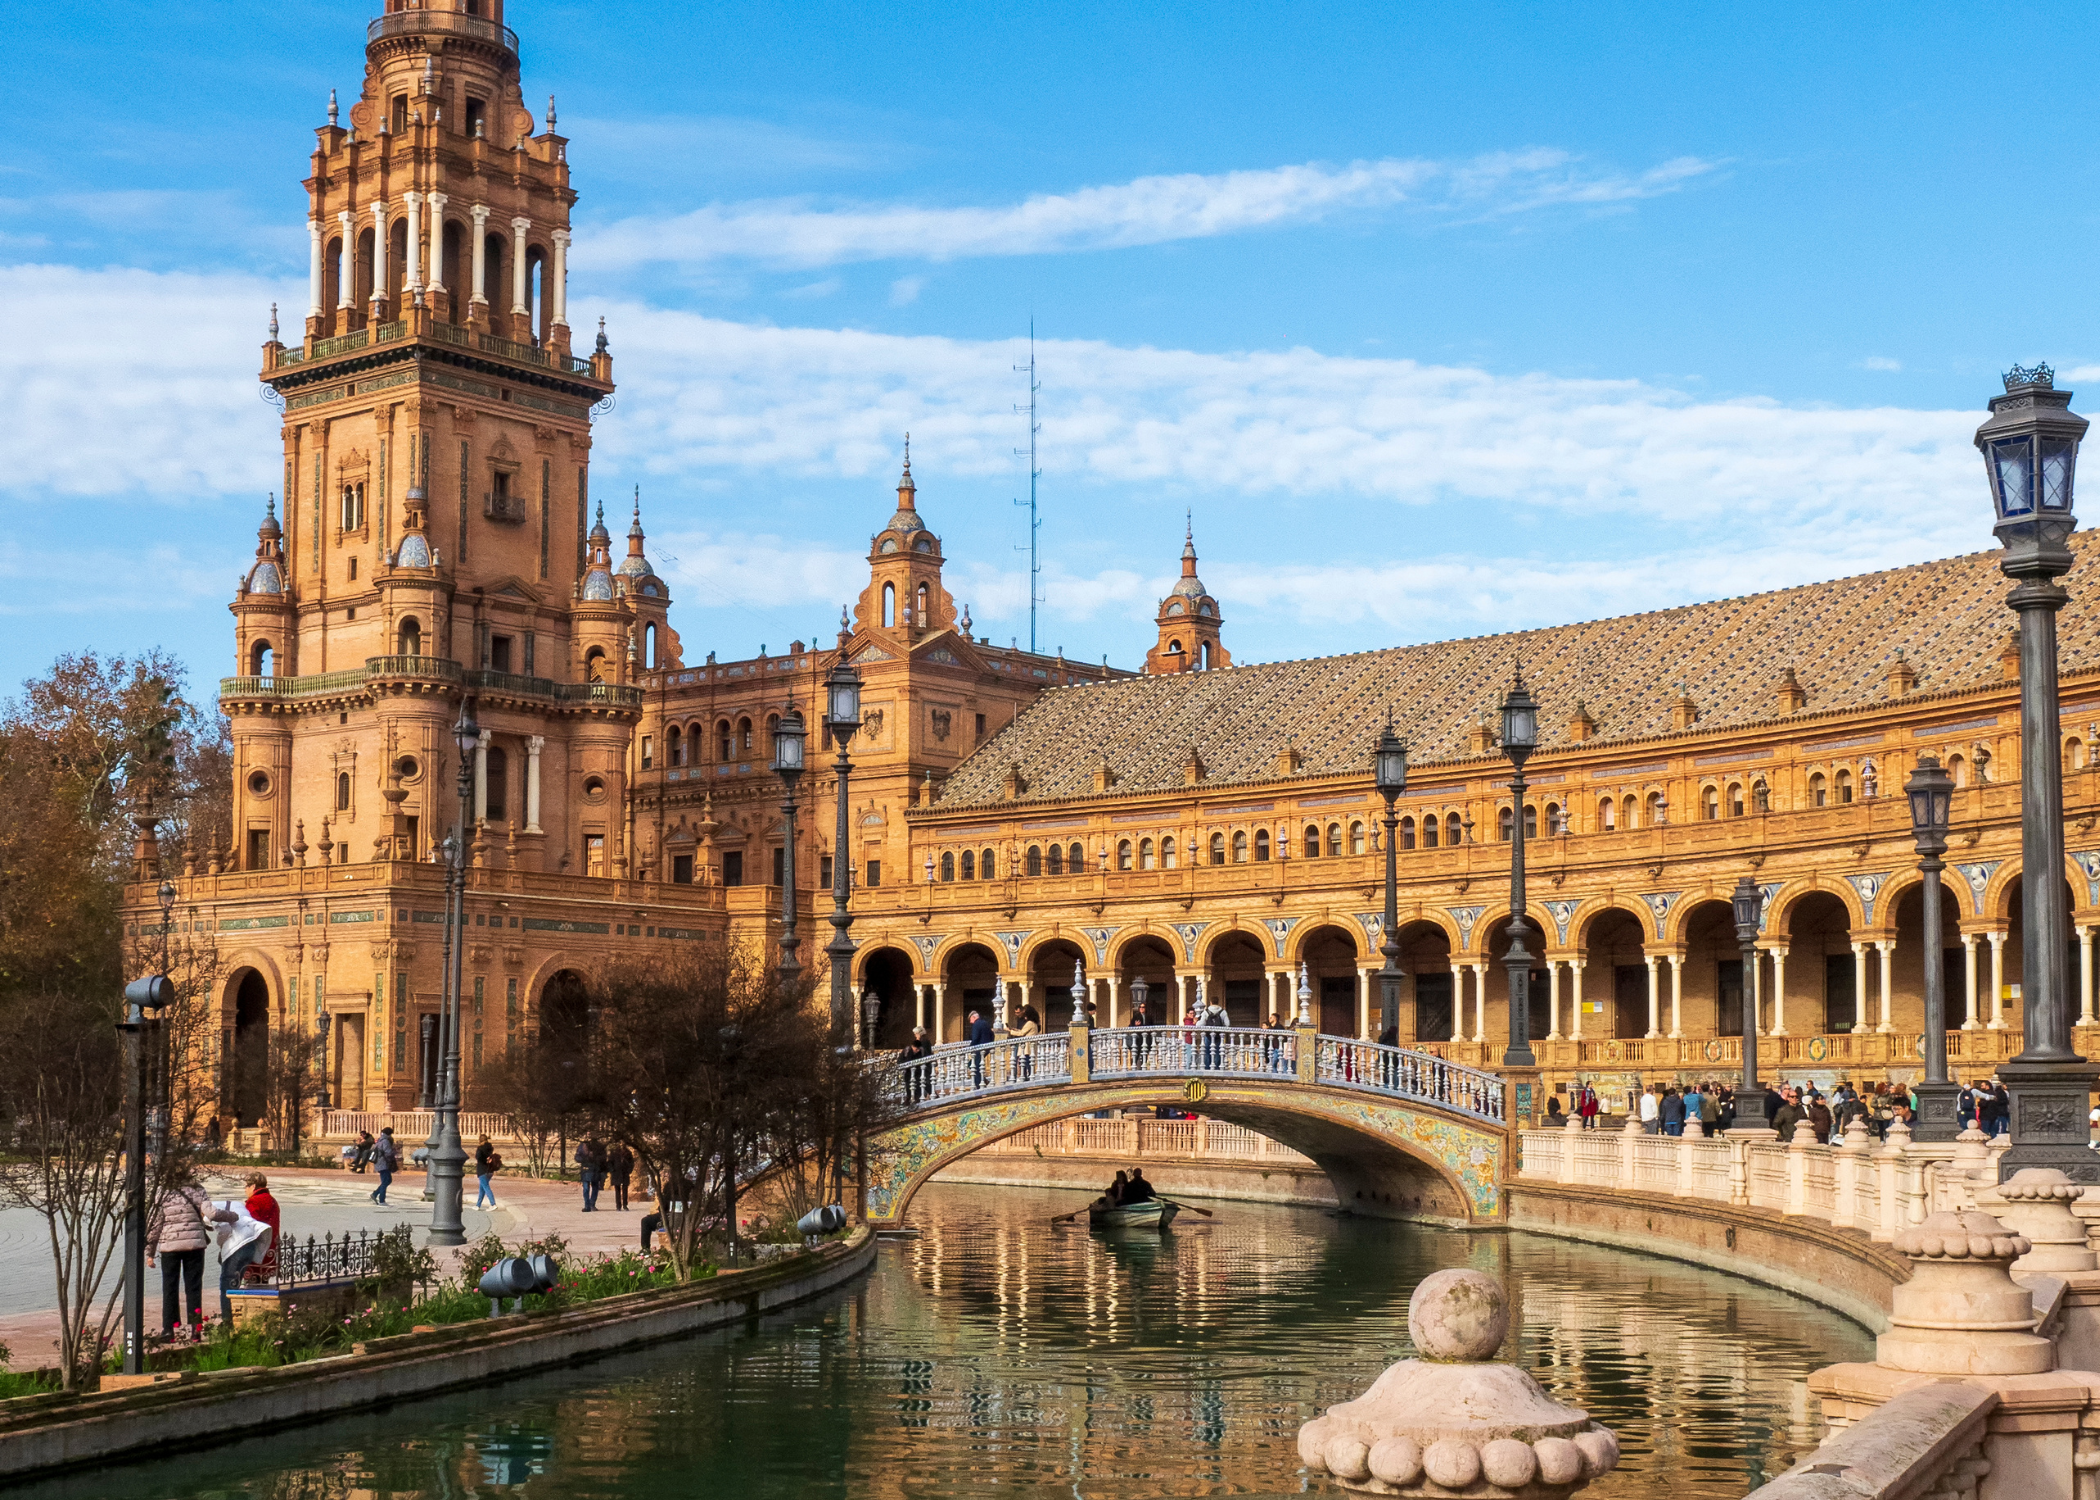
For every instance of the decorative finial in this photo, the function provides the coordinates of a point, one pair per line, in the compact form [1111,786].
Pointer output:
[2037,377]
[550,113]
[638,504]
[270,507]
[331,109]
[1188,524]
[907,453]
[273,322]
[601,511]
[601,335]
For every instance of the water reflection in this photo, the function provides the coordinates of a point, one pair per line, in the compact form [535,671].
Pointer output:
[996,1355]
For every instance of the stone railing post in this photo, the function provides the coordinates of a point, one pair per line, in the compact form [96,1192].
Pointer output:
[1629,1143]
[1572,1138]
[1739,1172]
[1797,1169]
[1961,1313]
[1851,1162]
[1899,1174]
[1687,1165]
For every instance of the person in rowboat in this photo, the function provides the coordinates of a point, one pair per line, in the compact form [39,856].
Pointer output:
[1117,1194]
[1137,1190]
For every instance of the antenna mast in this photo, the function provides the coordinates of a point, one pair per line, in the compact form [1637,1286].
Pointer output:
[1035,525]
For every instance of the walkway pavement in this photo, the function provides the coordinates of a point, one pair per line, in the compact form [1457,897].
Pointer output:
[316,1201]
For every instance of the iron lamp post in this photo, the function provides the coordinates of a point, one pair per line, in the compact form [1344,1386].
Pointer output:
[1389,775]
[787,765]
[1520,736]
[447,1157]
[1930,792]
[842,718]
[144,999]
[1749,903]
[2030,455]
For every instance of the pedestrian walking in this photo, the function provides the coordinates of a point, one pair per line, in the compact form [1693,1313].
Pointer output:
[1651,1111]
[262,1207]
[1031,1025]
[1214,1020]
[486,1165]
[915,1079]
[1669,1111]
[386,1158]
[619,1168]
[979,1036]
[590,1167]
[176,1237]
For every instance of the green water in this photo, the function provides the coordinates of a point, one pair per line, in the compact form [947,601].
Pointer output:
[996,1355]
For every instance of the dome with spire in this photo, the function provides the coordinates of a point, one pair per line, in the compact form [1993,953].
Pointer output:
[597,580]
[907,527]
[1188,586]
[266,575]
[414,551]
[634,566]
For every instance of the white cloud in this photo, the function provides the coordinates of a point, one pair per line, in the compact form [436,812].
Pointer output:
[905,290]
[1146,211]
[1881,362]
[814,290]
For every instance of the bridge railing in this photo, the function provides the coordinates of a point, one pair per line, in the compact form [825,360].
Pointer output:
[962,1072]
[1237,1051]
[1350,1064]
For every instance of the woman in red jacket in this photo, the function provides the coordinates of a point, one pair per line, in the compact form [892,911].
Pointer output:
[262,1206]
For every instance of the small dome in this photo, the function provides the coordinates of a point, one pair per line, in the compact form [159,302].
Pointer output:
[414,553]
[266,573]
[597,584]
[265,579]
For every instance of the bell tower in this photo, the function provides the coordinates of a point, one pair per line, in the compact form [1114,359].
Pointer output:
[904,593]
[1188,623]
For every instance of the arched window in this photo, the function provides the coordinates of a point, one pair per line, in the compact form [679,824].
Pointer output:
[594,665]
[772,729]
[1123,854]
[1735,799]
[985,865]
[1505,824]
[1629,814]
[262,661]
[1205,663]
[1174,649]
[2074,755]
[1356,838]
[1261,844]
[1818,791]
[1654,806]
[1608,815]
[1710,803]
[1312,841]
[1958,768]
[674,746]
[650,658]
[1844,786]
[947,868]
[1169,854]
[1407,833]
[743,736]
[727,737]
[1035,859]
[1239,846]
[1334,840]
[1217,848]
[889,604]
[342,791]
[411,637]
[1057,859]
[969,864]
[499,784]
[1454,831]
[920,618]
[1531,820]
[1555,824]
[1432,831]
[1147,860]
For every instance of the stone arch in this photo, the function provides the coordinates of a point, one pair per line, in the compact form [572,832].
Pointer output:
[947,947]
[1595,907]
[886,970]
[1207,945]
[1793,893]
[1679,921]
[1234,964]
[1046,937]
[1048,964]
[1122,945]
[1147,955]
[969,974]
[564,1009]
[1822,989]
[1704,927]
[1429,993]
[1385,1160]
[1302,936]
[1331,954]
[246,1011]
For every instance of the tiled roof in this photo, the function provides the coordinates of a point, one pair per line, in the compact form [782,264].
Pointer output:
[1947,618]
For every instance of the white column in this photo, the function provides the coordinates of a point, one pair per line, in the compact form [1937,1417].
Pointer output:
[379,302]
[1997,980]
[517,264]
[1363,1004]
[1480,1002]
[1115,1013]
[1676,994]
[1269,986]
[1654,997]
[1458,1001]
[940,1012]
[533,747]
[1575,967]
[313,268]
[1968,979]
[1888,976]
[412,268]
[481,778]
[481,270]
[1753,993]
[2085,975]
[346,263]
[1181,999]
[558,289]
[1552,999]
[1862,1005]
[918,996]
[1779,992]
[437,242]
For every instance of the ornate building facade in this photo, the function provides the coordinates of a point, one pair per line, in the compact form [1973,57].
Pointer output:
[1015,817]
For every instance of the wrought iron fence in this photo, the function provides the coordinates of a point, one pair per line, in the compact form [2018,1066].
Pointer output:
[359,1256]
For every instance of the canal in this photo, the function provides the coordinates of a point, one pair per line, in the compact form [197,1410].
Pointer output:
[997,1355]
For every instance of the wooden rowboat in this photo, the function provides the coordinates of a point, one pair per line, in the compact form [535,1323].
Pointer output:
[1155,1213]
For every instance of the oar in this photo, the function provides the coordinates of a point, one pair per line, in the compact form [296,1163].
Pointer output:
[1067,1218]
[1191,1208]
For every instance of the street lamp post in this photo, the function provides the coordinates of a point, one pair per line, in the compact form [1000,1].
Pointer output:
[787,765]
[2030,453]
[1749,902]
[1389,763]
[1520,736]
[842,718]
[447,1157]
[1930,791]
[144,999]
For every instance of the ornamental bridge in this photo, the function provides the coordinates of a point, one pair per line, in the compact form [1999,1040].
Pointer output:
[1400,1133]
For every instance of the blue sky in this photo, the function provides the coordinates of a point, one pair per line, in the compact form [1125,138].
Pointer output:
[1443,319]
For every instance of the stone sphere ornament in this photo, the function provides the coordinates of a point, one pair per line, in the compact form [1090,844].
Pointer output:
[1453,1423]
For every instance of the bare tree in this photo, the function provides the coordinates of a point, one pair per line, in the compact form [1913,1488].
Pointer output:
[533,1093]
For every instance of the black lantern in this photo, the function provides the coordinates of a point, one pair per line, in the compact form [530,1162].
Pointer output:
[1931,793]
[788,736]
[1520,722]
[870,1017]
[466,733]
[2030,454]
[842,700]
[1390,761]
[1140,992]
[1749,903]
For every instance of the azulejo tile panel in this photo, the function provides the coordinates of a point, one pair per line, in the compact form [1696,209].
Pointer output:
[906,1155]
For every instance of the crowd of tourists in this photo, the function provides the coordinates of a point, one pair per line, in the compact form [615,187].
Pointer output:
[1666,1108]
